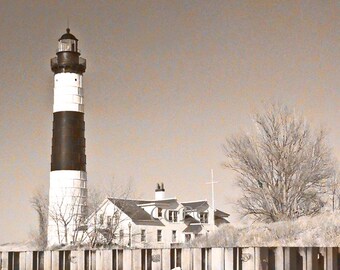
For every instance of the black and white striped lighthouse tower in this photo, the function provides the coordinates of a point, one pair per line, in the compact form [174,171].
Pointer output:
[68,179]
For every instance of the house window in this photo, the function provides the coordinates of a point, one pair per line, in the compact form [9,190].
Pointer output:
[109,221]
[142,236]
[83,209]
[187,237]
[159,213]
[159,235]
[173,216]
[83,192]
[203,217]
[101,219]
[174,236]
[121,235]
[80,219]
[116,216]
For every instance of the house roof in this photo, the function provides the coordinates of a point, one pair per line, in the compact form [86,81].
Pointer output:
[221,214]
[189,219]
[202,206]
[164,203]
[196,205]
[193,228]
[134,209]
[138,215]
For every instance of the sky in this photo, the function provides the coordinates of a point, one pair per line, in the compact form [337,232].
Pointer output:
[166,83]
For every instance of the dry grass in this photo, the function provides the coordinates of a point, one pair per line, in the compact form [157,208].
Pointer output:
[321,230]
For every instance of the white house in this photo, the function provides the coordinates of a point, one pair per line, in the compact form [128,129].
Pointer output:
[161,222]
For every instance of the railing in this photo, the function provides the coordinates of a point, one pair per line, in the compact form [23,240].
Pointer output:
[56,66]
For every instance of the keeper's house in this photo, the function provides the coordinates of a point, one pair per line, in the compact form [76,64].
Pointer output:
[162,222]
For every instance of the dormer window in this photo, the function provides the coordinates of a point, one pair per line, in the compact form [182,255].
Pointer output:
[173,216]
[159,212]
[204,217]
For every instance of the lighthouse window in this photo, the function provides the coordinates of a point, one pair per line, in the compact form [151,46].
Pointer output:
[67,45]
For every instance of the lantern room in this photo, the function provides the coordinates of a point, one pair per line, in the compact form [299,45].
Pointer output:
[68,42]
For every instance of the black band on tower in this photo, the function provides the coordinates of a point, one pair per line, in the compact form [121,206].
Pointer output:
[68,142]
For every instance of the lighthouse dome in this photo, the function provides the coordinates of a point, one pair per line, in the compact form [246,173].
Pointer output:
[68,35]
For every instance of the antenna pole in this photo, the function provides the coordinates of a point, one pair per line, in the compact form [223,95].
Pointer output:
[212,190]
[212,183]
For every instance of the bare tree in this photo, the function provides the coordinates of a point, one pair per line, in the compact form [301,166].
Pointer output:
[68,214]
[281,168]
[333,189]
[39,202]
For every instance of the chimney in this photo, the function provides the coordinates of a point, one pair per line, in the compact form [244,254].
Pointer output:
[159,191]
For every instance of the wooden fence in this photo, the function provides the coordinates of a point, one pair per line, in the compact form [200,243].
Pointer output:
[279,258]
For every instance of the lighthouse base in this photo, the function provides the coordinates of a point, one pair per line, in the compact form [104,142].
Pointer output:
[67,206]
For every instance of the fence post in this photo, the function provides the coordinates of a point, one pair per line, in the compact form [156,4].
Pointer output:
[22,261]
[290,258]
[331,258]
[47,259]
[312,258]
[248,258]
[26,260]
[186,259]
[196,259]
[303,254]
[230,261]
[4,260]
[106,260]
[279,258]
[165,258]
[81,259]
[55,260]
[156,257]
[127,259]
[136,259]
[74,260]
[217,259]
[261,258]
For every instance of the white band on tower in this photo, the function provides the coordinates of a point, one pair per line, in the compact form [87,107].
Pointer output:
[68,92]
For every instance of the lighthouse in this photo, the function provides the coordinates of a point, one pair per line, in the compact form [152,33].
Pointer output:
[68,178]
